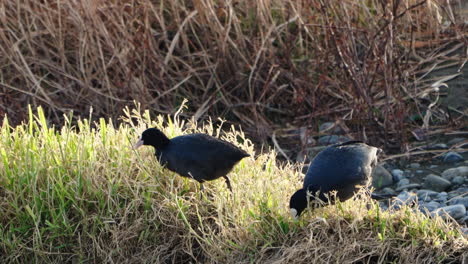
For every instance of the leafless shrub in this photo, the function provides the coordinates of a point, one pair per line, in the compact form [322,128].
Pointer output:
[261,63]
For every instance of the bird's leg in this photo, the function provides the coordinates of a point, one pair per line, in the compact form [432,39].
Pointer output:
[228,182]
[202,190]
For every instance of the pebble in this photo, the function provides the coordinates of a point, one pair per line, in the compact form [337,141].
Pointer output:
[330,127]
[409,174]
[452,157]
[441,197]
[414,165]
[403,182]
[449,174]
[409,187]
[438,146]
[381,177]
[397,175]
[430,206]
[300,157]
[459,180]
[453,194]
[456,141]
[436,183]
[404,198]
[426,195]
[455,211]
[462,200]
[433,166]
[332,139]
[389,191]
[305,138]
[465,230]
[313,151]
[464,221]
[383,206]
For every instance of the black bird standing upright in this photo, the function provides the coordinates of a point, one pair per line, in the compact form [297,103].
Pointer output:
[341,168]
[197,156]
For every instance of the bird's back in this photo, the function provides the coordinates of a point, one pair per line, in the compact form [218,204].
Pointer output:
[341,167]
[200,156]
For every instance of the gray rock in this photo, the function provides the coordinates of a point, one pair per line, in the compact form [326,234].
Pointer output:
[383,205]
[419,171]
[408,187]
[397,175]
[462,200]
[300,157]
[436,183]
[459,180]
[455,211]
[388,190]
[449,174]
[332,139]
[404,198]
[403,182]
[312,152]
[427,195]
[414,165]
[430,206]
[306,140]
[452,157]
[453,194]
[381,177]
[409,174]
[465,230]
[330,127]
[433,166]
[441,197]
[456,141]
[438,146]
[464,221]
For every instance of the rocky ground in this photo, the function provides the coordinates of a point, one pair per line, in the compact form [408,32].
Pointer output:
[437,187]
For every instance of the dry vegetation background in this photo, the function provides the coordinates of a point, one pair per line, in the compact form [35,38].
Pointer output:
[263,64]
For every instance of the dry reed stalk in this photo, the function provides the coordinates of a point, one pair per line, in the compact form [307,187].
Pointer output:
[259,63]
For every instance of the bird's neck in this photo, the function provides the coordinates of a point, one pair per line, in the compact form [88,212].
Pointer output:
[161,143]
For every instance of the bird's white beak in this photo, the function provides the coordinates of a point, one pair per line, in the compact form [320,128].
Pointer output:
[293,213]
[138,144]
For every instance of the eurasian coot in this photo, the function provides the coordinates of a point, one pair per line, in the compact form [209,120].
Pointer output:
[197,156]
[342,168]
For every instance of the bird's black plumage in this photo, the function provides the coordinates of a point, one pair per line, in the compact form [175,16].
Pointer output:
[197,156]
[341,168]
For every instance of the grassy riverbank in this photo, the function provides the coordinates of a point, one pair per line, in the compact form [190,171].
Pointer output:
[80,193]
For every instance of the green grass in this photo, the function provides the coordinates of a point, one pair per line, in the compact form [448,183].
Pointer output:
[79,193]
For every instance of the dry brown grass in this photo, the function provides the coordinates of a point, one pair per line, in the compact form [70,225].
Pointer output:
[261,63]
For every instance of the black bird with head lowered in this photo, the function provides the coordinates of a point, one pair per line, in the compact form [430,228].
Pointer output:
[342,168]
[197,156]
